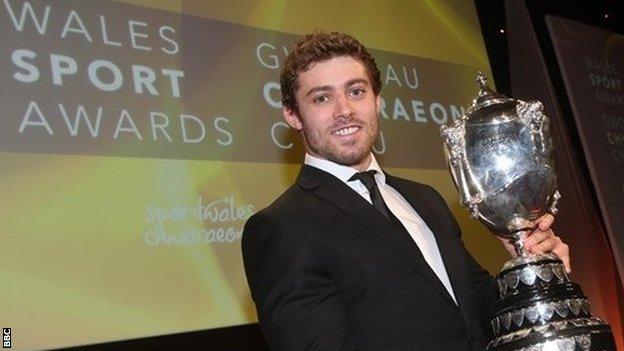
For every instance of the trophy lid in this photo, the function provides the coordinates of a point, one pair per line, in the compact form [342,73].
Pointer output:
[486,96]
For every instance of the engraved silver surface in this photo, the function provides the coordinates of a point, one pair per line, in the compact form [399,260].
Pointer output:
[530,275]
[550,330]
[540,312]
[575,343]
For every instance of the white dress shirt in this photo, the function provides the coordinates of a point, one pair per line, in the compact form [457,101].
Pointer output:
[415,226]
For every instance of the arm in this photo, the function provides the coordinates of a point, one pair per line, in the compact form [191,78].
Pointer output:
[484,289]
[298,307]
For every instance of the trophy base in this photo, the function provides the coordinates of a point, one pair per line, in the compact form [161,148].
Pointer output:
[540,309]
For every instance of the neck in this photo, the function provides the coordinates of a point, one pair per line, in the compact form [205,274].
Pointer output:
[360,166]
[363,165]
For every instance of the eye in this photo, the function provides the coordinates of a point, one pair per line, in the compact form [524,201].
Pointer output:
[320,99]
[357,92]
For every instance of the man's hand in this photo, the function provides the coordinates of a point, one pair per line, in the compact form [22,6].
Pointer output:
[543,240]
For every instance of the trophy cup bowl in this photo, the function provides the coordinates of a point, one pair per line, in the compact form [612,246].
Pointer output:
[500,154]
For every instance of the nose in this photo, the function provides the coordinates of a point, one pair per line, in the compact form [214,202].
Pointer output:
[344,107]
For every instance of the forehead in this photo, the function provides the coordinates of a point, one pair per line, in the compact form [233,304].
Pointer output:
[333,72]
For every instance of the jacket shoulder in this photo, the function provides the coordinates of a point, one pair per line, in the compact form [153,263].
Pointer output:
[285,211]
[430,198]
[284,205]
[421,188]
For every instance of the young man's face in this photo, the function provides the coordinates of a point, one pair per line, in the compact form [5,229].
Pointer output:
[337,111]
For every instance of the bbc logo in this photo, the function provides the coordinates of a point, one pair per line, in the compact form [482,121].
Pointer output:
[6,338]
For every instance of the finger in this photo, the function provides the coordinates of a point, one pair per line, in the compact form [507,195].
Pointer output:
[557,247]
[543,246]
[563,252]
[537,237]
[546,221]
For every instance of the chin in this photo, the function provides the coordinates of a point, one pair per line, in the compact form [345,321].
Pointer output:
[351,159]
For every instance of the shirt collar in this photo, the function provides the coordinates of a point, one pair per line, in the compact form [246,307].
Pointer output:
[344,173]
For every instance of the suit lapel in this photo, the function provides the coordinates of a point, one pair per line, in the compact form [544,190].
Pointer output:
[452,261]
[333,190]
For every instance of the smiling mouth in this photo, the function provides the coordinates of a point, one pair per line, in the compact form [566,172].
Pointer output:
[346,131]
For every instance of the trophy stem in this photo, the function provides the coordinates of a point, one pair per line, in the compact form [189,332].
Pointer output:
[517,239]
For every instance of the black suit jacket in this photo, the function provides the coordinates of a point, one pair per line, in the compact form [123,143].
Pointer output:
[327,271]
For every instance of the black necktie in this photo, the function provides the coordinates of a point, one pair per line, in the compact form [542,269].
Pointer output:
[368,179]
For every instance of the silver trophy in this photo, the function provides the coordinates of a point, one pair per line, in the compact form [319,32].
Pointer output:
[500,154]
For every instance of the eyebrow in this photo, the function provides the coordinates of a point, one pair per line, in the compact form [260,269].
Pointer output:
[329,87]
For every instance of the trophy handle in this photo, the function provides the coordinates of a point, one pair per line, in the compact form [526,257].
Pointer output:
[454,146]
[532,115]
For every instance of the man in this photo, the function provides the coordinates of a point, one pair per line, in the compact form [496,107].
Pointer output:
[354,260]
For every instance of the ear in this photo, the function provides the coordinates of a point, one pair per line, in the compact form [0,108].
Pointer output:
[378,103]
[292,118]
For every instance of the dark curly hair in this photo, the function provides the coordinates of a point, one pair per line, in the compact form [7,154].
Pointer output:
[317,47]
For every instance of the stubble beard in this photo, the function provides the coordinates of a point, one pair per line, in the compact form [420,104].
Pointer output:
[343,154]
